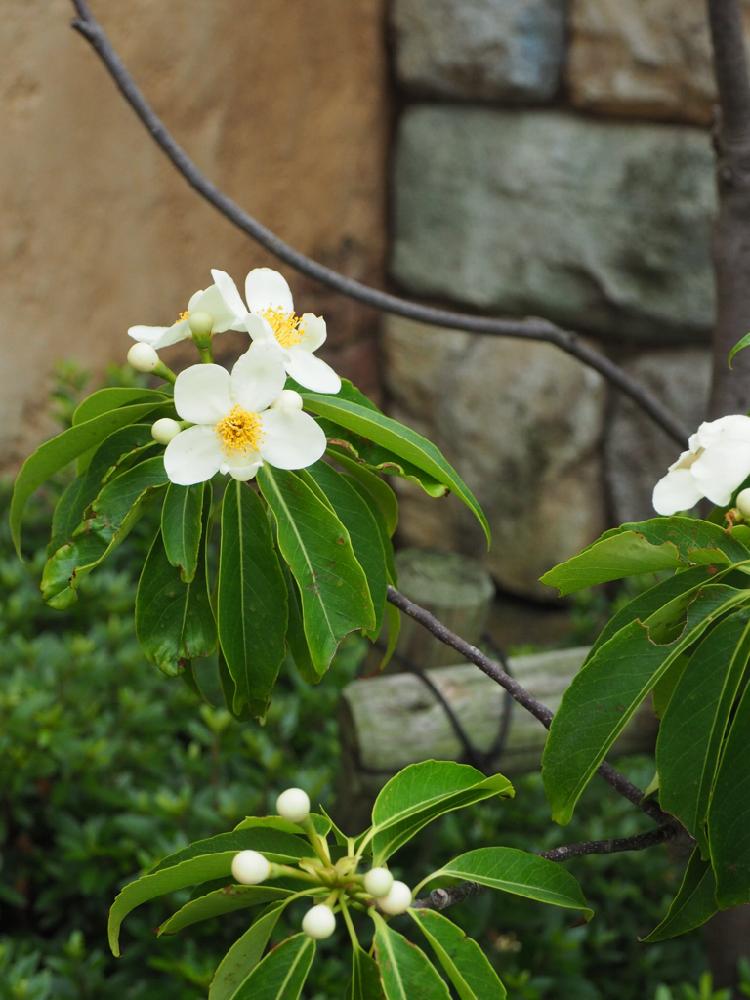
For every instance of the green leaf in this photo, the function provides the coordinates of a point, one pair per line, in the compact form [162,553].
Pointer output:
[251,605]
[365,982]
[282,973]
[174,621]
[277,845]
[694,903]
[518,873]
[318,550]
[244,955]
[295,635]
[741,344]
[221,901]
[105,400]
[320,821]
[401,440]
[393,627]
[367,542]
[697,717]
[182,526]
[371,483]
[55,454]
[461,958]
[406,971]
[606,693]
[421,793]
[729,813]
[110,518]
[376,459]
[646,547]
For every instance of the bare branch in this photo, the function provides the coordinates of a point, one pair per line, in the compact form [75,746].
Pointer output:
[532,328]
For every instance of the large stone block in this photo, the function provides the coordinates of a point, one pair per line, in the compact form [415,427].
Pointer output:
[651,59]
[637,453]
[99,232]
[480,49]
[522,423]
[598,225]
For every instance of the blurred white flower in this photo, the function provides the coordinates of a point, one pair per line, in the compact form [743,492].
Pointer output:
[208,301]
[716,462]
[241,421]
[270,316]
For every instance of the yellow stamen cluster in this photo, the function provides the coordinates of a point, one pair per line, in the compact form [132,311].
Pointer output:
[240,430]
[183,316]
[286,326]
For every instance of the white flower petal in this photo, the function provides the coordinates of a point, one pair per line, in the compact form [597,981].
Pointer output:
[201,394]
[267,289]
[258,328]
[736,426]
[311,372]
[258,376]
[243,467]
[161,336]
[228,289]
[313,332]
[193,456]
[212,301]
[674,492]
[291,439]
[720,470]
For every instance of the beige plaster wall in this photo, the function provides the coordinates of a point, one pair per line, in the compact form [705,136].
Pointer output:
[282,102]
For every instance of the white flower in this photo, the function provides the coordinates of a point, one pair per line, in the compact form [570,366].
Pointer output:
[319,922]
[235,432]
[294,805]
[717,461]
[398,900]
[207,300]
[270,316]
[250,868]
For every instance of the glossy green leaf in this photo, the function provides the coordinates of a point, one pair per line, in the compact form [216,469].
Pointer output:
[374,485]
[277,845]
[182,527]
[318,550]
[460,957]
[421,793]
[729,813]
[55,454]
[174,620]
[519,873]
[405,970]
[694,903]
[402,441]
[320,821]
[692,730]
[244,955]
[366,983]
[646,547]
[251,605]
[105,400]
[606,693]
[356,516]
[393,629]
[741,344]
[215,904]
[282,973]
[295,635]
[376,459]
[109,519]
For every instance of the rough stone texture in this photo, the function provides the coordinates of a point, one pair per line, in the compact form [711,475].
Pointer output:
[650,58]
[599,225]
[522,423]
[636,452]
[98,230]
[480,49]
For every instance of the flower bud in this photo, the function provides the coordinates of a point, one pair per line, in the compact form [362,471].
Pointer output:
[164,429]
[378,882]
[250,867]
[143,357]
[201,324]
[294,805]
[288,400]
[319,922]
[743,502]
[397,901]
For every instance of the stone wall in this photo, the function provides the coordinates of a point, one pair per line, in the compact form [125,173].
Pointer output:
[99,232]
[551,158]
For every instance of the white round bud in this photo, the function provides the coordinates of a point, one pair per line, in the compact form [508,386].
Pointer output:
[143,357]
[398,899]
[164,429]
[201,324]
[743,502]
[294,805]
[378,882]
[250,867]
[287,399]
[319,922]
